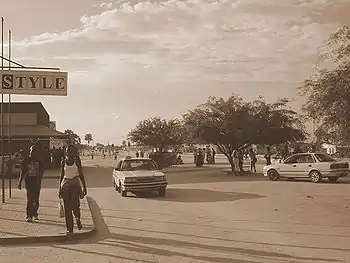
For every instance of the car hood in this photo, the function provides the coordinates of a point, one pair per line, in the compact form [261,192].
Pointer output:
[142,173]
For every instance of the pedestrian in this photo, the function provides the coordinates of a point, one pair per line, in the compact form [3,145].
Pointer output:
[195,156]
[142,153]
[70,190]
[137,154]
[240,160]
[268,155]
[214,153]
[32,171]
[236,160]
[253,160]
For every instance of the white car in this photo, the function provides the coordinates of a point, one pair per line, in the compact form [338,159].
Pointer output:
[138,175]
[307,165]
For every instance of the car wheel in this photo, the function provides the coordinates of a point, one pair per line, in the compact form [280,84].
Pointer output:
[315,176]
[273,175]
[119,187]
[115,186]
[333,178]
[124,193]
[162,192]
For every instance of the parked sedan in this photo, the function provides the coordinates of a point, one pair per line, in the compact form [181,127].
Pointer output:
[138,175]
[315,166]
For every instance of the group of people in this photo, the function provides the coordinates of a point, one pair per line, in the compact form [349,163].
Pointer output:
[207,154]
[72,185]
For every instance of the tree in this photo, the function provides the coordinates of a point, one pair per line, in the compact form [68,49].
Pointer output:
[158,133]
[233,124]
[124,143]
[88,138]
[328,90]
[73,138]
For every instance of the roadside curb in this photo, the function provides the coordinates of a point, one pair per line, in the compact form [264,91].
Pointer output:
[58,238]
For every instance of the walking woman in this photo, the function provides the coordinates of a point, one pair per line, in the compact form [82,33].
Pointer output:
[70,188]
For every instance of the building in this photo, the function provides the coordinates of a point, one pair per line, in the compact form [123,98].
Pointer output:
[29,121]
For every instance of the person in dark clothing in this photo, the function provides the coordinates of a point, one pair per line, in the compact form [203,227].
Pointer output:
[32,171]
[214,153]
[70,190]
[268,156]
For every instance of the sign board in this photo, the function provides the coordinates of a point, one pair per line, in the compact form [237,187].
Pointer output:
[32,82]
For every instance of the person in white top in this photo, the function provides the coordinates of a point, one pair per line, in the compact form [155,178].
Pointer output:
[70,189]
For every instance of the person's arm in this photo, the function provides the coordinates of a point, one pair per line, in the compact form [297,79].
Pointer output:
[22,173]
[81,174]
[62,172]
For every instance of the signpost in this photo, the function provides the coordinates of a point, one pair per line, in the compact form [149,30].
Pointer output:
[21,80]
[30,82]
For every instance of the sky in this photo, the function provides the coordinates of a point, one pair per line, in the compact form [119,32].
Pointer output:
[130,60]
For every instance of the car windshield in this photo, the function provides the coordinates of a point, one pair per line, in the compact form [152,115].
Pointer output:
[138,165]
[321,157]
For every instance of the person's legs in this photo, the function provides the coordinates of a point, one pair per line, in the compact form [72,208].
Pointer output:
[36,199]
[30,202]
[66,196]
[75,201]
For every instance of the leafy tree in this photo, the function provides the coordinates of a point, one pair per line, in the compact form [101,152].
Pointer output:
[73,138]
[158,133]
[88,138]
[233,124]
[124,143]
[328,90]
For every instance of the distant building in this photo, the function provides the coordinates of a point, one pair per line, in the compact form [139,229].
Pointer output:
[29,121]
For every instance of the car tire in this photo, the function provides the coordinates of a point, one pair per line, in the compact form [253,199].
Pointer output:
[162,192]
[119,186]
[115,186]
[315,176]
[124,193]
[333,179]
[273,175]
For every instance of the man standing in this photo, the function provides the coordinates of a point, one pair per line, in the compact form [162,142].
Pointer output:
[32,171]
[268,155]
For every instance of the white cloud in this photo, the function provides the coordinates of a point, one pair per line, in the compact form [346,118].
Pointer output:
[243,39]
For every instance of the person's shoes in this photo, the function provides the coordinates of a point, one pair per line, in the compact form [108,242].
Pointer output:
[69,233]
[36,218]
[29,219]
[79,225]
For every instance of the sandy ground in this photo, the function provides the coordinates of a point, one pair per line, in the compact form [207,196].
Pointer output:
[209,217]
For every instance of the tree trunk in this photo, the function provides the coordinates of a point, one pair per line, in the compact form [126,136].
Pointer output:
[228,156]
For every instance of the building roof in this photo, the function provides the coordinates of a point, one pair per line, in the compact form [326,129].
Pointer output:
[23,107]
[26,131]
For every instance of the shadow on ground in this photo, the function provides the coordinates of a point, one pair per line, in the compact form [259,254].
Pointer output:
[196,196]
[153,246]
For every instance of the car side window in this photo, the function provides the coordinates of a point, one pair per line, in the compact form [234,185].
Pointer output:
[119,166]
[292,159]
[307,158]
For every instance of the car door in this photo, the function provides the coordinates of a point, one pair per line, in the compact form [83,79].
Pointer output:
[287,168]
[305,163]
